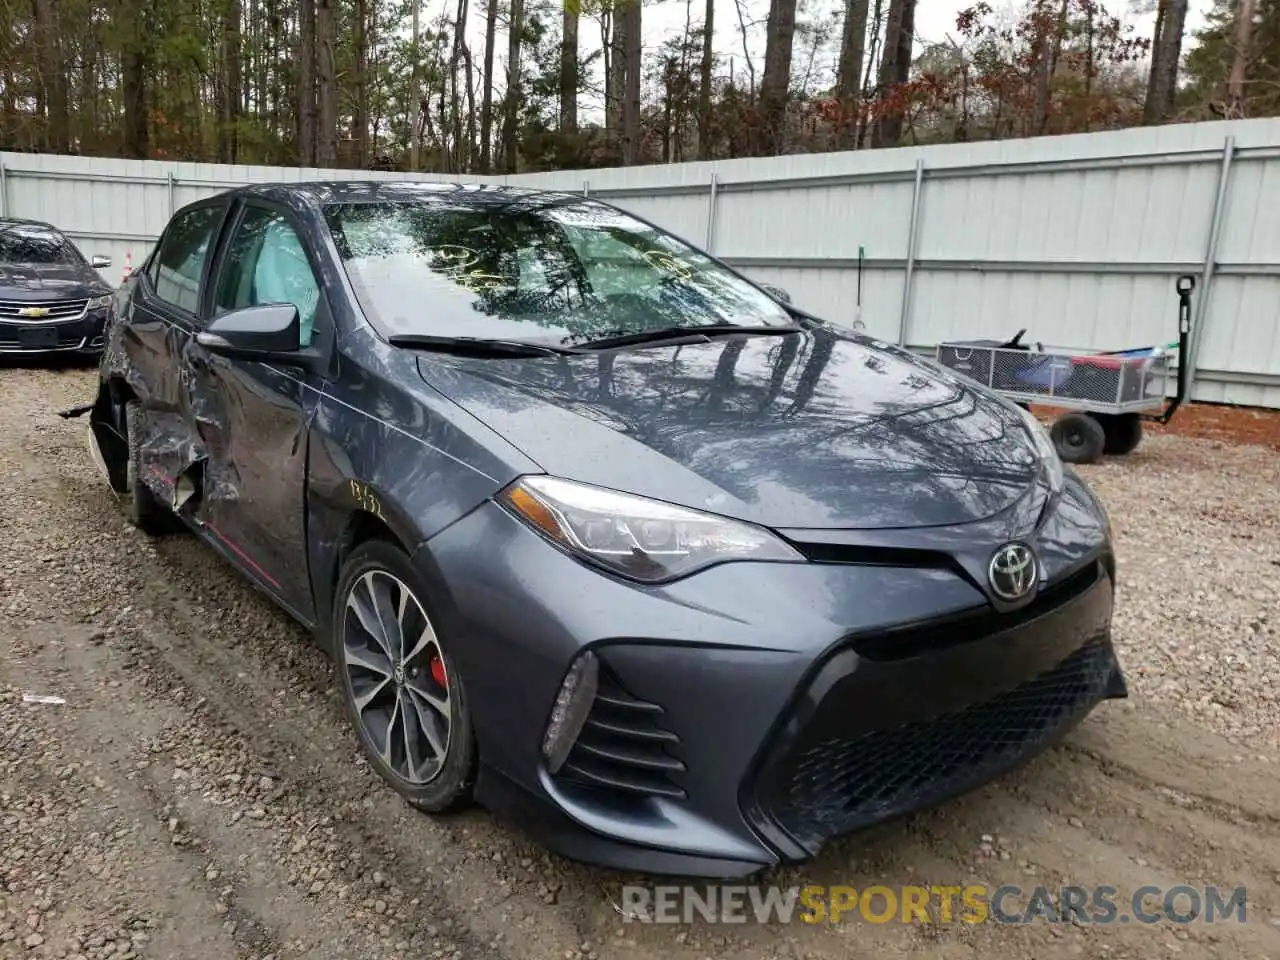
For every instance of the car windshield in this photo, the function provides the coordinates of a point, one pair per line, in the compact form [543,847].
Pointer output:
[22,244]
[558,270]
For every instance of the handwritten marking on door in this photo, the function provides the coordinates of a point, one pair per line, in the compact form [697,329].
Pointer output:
[367,499]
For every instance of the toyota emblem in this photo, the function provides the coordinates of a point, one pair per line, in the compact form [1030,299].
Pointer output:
[1013,572]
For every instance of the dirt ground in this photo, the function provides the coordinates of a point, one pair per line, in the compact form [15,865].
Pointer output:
[198,795]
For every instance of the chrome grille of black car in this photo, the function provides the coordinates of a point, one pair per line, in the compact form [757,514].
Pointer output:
[839,784]
[65,340]
[56,309]
[623,747]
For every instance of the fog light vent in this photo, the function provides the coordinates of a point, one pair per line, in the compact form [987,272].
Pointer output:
[572,706]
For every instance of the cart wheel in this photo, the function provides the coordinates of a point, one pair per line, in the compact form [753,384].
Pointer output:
[1078,437]
[1123,432]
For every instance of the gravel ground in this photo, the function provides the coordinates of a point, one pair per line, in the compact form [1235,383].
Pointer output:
[199,797]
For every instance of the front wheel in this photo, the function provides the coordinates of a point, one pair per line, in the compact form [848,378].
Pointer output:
[399,685]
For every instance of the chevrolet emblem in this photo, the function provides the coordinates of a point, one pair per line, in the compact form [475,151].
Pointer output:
[34,312]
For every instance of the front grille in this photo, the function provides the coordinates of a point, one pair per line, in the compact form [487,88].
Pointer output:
[980,623]
[623,747]
[19,337]
[58,310]
[841,784]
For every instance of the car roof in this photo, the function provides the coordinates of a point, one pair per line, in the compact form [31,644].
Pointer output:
[23,222]
[324,192]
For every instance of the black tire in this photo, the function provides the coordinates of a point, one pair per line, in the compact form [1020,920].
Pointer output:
[142,508]
[450,786]
[1122,430]
[1078,438]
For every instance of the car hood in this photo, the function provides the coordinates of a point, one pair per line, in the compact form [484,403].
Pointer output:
[814,429]
[39,281]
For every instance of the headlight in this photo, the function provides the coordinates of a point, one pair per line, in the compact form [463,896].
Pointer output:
[642,539]
[1045,449]
[99,302]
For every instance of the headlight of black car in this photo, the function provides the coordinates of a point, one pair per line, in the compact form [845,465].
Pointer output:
[1045,450]
[97,303]
[639,538]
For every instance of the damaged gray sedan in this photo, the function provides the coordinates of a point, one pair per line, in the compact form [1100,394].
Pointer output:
[599,531]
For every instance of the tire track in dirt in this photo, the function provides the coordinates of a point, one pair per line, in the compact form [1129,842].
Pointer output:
[105,896]
[1177,756]
[242,882]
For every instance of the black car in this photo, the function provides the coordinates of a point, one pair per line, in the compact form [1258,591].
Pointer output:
[51,297]
[599,531]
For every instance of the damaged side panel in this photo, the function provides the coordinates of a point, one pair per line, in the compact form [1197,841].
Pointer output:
[144,425]
[222,444]
[150,405]
[169,458]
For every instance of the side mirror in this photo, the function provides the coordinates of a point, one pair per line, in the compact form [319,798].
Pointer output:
[266,332]
[99,262]
[776,292]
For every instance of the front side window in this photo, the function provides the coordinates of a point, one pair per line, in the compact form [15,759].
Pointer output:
[182,255]
[265,264]
[24,244]
[556,269]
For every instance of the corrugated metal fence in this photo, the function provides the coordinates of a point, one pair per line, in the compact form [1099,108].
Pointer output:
[1078,239]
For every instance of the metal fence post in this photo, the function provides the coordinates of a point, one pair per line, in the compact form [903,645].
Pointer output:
[711,211]
[586,188]
[904,314]
[1210,265]
[170,179]
[4,192]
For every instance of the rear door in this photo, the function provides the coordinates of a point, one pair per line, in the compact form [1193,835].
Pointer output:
[166,297]
[155,335]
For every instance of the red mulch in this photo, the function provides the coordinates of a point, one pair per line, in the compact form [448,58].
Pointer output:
[1210,421]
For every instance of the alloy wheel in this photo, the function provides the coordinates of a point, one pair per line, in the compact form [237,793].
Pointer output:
[396,670]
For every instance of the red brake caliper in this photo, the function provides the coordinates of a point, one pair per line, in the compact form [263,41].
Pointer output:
[437,672]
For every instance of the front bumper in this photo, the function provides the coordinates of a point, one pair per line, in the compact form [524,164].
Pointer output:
[752,712]
[83,334]
[876,734]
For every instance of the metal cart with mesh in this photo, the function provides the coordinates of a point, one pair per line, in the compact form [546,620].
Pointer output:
[1108,395]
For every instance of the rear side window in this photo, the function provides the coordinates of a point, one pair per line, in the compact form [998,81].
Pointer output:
[183,251]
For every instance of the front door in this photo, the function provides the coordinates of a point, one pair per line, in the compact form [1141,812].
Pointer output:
[259,415]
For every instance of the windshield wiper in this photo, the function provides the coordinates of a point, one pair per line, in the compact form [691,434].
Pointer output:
[476,346]
[672,336]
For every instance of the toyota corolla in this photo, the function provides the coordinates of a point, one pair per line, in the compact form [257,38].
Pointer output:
[601,533]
